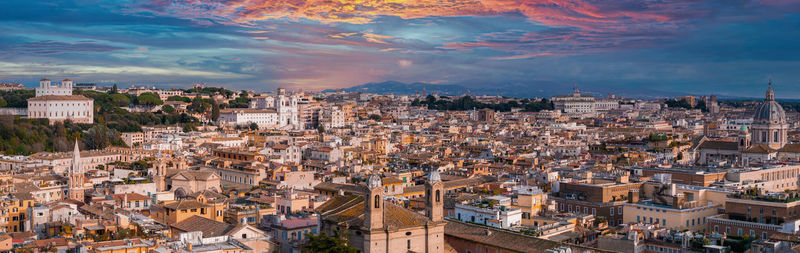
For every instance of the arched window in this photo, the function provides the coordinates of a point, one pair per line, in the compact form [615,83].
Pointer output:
[438,198]
[377,201]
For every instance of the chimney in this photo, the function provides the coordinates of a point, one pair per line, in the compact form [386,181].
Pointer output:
[633,196]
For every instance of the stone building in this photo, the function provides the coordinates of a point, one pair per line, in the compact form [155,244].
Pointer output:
[373,224]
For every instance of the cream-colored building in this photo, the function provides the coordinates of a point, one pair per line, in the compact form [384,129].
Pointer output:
[674,206]
[56,103]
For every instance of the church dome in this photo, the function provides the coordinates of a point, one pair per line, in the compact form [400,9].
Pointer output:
[769,111]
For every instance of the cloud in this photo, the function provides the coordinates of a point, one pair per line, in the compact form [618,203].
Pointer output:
[523,56]
[404,63]
[49,47]
[573,26]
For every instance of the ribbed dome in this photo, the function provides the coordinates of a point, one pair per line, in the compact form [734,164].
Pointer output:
[769,111]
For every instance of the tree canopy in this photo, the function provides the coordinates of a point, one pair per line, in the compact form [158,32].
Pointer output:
[327,244]
[148,99]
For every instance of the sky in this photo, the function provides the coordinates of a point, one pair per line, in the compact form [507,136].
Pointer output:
[722,47]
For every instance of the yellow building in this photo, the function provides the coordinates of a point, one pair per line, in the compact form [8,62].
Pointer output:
[176,211]
[14,212]
[532,201]
[122,246]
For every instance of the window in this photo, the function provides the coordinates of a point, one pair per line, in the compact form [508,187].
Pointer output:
[612,211]
[377,201]
[408,244]
[763,235]
[638,219]
[716,229]
[619,210]
[739,232]
[438,194]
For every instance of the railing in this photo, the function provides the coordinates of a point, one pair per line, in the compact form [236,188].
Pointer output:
[725,221]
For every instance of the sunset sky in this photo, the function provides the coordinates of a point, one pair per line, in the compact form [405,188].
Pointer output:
[726,47]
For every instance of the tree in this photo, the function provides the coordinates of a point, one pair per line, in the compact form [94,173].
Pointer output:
[120,100]
[375,117]
[253,126]
[189,127]
[214,110]
[149,99]
[327,244]
[168,109]
[100,137]
[113,89]
[179,98]
[3,102]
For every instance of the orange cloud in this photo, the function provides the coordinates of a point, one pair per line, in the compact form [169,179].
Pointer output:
[579,13]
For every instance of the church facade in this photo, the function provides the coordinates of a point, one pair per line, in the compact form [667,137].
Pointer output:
[765,140]
[373,224]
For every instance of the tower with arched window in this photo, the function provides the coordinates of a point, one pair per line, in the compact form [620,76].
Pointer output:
[374,205]
[434,197]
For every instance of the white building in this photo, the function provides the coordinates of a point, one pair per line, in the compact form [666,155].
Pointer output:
[264,118]
[332,117]
[576,103]
[495,216]
[57,103]
[283,105]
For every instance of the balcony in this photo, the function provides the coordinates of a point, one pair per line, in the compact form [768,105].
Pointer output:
[722,219]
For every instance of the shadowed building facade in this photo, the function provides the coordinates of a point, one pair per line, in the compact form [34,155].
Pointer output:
[374,225]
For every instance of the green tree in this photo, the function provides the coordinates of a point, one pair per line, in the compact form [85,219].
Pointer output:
[120,100]
[375,117]
[188,127]
[113,89]
[214,110]
[3,102]
[253,126]
[179,98]
[168,109]
[100,137]
[327,244]
[149,99]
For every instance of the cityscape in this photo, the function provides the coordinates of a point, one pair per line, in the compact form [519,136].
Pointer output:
[425,126]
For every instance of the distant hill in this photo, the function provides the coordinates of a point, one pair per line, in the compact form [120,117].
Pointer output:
[399,88]
[533,89]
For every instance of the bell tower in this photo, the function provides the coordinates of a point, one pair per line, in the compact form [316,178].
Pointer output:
[374,205]
[434,188]
[743,140]
[160,171]
[76,190]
